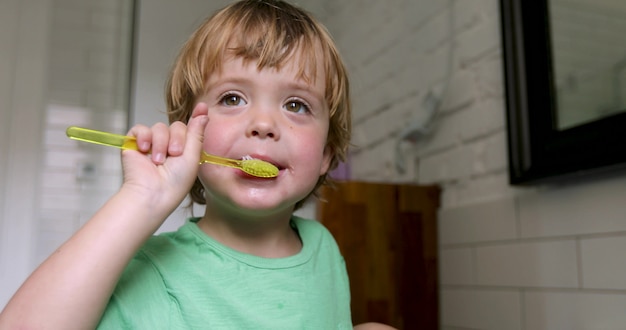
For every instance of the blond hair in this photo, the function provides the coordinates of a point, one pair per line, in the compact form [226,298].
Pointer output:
[270,32]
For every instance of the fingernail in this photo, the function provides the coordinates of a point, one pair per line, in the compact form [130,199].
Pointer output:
[174,148]
[158,158]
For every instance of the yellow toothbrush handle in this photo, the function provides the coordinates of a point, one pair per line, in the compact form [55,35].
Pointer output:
[254,167]
[103,138]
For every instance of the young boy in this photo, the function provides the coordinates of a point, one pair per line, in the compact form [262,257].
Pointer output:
[260,78]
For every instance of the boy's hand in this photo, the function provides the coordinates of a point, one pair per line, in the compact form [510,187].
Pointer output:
[167,166]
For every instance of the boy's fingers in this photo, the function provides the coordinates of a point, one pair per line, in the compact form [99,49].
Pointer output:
[178,135]
[143,134]
[160,142]
[195,128]
[195,133]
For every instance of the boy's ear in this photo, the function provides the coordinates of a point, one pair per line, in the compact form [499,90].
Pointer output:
[328,156]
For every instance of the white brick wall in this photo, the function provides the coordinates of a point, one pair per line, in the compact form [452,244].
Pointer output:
[548,257]
[24,27]
[87,86]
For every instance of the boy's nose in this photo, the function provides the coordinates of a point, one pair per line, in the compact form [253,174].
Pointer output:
[263,125]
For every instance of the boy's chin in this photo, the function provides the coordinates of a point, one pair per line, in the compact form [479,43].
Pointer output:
[251,208]
[254,210]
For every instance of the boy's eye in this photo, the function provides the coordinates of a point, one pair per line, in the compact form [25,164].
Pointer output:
[232,100]
[297,107]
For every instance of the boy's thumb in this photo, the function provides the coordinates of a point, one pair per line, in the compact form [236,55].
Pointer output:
[195,128]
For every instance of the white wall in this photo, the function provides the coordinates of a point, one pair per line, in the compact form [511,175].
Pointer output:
[88,69]
[61,62]
[549,257]
[23,32]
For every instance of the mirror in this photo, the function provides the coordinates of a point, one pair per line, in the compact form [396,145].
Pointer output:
[589,57]
[565,75]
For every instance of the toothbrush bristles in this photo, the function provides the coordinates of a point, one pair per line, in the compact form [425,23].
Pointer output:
[258,167]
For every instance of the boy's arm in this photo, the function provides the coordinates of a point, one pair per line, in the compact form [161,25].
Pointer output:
[71,288]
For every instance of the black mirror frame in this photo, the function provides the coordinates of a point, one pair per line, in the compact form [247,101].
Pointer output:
[538,151]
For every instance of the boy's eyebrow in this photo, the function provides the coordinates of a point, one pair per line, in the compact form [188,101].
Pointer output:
[300,85]
[221,80]
[304,86]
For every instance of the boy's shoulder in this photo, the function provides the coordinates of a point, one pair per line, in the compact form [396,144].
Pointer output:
[308,224]
[311,226]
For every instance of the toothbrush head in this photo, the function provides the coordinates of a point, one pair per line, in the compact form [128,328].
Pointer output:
[259,168]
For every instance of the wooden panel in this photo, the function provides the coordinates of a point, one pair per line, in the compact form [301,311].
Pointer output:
[387,234]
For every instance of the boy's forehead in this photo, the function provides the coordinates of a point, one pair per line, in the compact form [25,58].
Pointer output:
[307,66]
[291,68]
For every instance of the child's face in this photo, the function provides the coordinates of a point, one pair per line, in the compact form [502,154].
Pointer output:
[270,115]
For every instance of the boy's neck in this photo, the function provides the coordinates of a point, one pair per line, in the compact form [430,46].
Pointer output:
[270,237]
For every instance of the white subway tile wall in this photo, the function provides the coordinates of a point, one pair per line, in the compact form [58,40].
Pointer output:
[88,86]
[548,257]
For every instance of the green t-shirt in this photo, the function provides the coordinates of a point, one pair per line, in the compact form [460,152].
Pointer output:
[187,280]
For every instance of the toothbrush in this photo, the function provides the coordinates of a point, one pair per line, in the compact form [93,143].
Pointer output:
[254,167]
